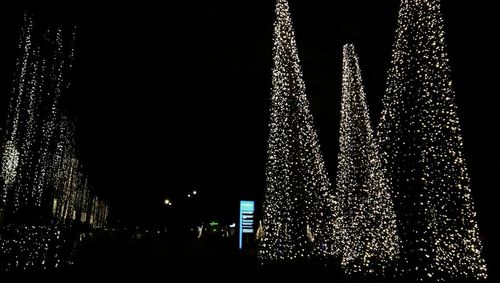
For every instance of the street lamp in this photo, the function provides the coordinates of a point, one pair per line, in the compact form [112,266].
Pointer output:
[168,202]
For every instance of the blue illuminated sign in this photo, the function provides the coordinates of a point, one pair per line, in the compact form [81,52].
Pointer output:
[247,208]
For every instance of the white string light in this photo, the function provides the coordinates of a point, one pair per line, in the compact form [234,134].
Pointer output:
[40,168]
[423,152]
[366,232]
[32,247]
[297,207]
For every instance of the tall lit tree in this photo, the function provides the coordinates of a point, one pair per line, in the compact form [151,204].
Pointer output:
[17,155]
[40,170]
[297,207]
[41,179]
[423,152]
[366,232]
[38,82]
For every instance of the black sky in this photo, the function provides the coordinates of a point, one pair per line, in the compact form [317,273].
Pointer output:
[174,96]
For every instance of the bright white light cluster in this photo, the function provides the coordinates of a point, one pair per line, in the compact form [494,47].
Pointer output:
[10,161]
[365,226]
[423,152]
[297,218]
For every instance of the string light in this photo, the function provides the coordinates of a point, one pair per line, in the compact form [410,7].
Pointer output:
[423,152]
[297,218]
[72,196]
[41,171]
[366,232]
[36,91]
[20,118]
[33,247]
[39,160]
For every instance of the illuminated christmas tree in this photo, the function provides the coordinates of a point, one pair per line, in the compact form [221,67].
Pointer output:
[366,232]
[297,207]
[423,152]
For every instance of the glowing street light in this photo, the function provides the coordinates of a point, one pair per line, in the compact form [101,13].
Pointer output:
[194,192]
[168,202]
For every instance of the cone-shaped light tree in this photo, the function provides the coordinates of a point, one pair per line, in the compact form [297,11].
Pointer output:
[298,201]
[366,232]
[422,147]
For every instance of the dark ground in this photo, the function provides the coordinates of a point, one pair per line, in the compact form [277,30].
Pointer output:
[170,260]
[159,259]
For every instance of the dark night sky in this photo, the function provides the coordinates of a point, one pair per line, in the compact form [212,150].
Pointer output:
[174,96]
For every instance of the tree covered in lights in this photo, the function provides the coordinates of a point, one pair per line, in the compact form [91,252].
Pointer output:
[42,182]
[419,133]
[366,233]
[40,79]
[41,175]
[297,208]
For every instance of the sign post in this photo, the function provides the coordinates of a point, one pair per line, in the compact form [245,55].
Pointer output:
[247,208]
